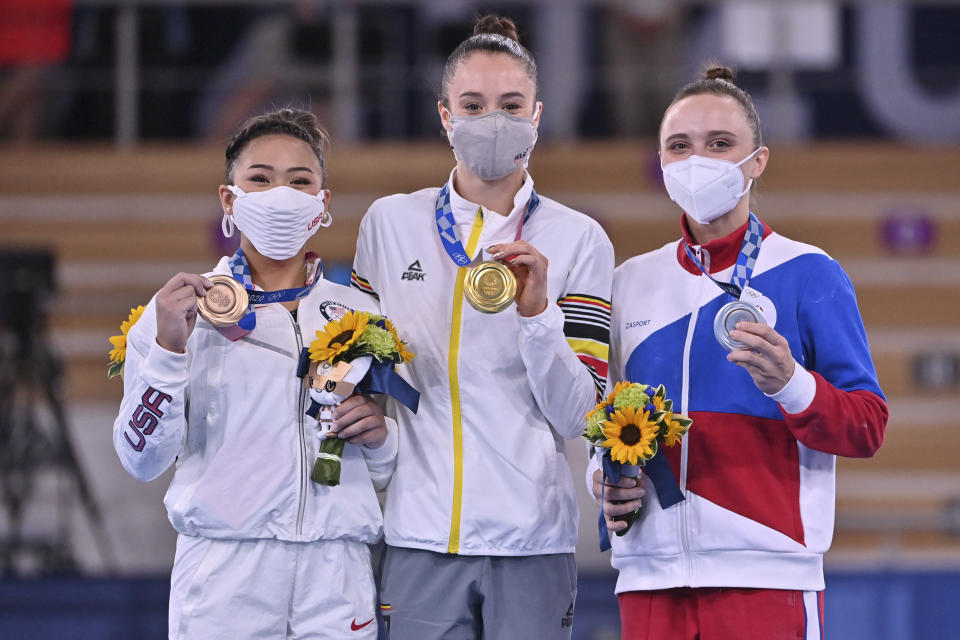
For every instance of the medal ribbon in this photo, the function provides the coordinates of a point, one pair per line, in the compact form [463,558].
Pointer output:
[746,261]
[240,270]
[446,225]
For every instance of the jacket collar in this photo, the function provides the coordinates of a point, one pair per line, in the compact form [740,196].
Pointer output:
[465,211]
[721,253]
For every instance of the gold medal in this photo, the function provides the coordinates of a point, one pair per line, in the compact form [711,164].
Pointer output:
[490,287]
[225,302]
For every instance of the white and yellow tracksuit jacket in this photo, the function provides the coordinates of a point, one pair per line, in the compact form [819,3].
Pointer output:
[481,468]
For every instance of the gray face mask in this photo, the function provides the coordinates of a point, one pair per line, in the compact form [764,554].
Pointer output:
[493,145]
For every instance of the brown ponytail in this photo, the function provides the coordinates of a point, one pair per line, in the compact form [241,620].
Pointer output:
[497,25]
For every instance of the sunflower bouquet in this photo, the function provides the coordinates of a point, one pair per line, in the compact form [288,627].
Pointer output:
[356,352]
[630,425]
[118,354]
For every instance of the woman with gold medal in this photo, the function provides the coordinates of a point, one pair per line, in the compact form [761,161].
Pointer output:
[212,386]
[504,295]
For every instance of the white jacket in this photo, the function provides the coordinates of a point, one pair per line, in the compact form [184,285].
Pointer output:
[488,475]
[232,418]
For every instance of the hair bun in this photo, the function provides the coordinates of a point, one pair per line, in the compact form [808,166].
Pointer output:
[719,73]
[492,23]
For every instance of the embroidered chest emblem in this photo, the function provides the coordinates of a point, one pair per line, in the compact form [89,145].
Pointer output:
[414,272]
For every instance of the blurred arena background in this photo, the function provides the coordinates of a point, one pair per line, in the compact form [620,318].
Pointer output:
[113,119]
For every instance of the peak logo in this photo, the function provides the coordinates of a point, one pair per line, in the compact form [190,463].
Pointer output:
[414,272]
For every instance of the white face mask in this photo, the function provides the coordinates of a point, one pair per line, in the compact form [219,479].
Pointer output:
[493,145]
[278,221]
[705,188]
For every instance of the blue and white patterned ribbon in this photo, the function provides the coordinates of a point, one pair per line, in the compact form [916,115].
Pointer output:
[746,260]
[446,225]
[240,270]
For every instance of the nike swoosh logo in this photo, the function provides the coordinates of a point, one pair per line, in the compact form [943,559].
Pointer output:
[356,627]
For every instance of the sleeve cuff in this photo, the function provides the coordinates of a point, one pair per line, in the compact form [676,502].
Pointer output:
[593,464]
[797,395]
[165,366]
[388,450]
[550,319]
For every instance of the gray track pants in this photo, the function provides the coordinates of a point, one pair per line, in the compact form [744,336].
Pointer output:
[437,596]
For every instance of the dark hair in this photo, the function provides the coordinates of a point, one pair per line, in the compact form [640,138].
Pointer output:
[718,80]
[297,123]
[491,34]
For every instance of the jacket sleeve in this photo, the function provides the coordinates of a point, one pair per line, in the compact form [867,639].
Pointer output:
[364,260]
[149,430]
[382,461]
[834,403]
[565,348]
[614,374]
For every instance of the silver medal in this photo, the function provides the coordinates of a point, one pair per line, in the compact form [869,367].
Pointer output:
[726,321]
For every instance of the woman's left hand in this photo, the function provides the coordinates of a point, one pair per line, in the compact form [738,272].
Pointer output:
[359,420]
[767,357]
[530,268]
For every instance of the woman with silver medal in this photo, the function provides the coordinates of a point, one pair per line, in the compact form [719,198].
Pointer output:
[503,294]
[740,554]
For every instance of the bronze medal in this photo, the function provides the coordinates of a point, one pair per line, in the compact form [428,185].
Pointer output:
[225,302]
[490,287]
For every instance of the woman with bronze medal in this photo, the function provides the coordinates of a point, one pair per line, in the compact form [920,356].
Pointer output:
[504,295]
[760,341]
[214,383]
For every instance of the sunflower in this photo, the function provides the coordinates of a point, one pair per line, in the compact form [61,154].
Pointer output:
[118,354]
[659,403]
[676,429]
[119,351]
[337,336]
[631,435]
[405,356]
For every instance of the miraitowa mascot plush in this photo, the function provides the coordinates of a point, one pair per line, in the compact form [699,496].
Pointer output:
[330,384]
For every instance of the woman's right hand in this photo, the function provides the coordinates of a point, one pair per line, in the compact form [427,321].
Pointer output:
[177,309]
[618,499]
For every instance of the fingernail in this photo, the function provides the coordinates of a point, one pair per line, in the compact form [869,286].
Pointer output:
[497,255]
[512,261]
[491,248]
[739,325]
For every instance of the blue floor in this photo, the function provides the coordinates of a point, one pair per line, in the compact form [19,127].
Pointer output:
[859,606]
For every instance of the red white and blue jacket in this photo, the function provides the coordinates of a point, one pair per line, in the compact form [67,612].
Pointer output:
[757,471]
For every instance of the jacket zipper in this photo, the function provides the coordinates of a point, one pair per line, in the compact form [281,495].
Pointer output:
[301,392]
[685,443]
